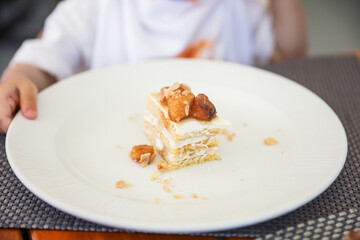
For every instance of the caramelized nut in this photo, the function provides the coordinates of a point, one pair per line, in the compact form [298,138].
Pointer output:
[179,106]
[202,108]
[143,154]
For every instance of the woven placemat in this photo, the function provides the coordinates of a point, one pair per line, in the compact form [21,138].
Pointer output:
[336,80]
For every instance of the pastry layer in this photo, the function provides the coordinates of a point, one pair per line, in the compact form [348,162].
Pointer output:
[184,156]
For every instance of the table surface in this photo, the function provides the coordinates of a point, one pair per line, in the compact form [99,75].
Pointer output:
[34,234]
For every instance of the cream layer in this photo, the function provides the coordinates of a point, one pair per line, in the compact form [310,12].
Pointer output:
[154,121]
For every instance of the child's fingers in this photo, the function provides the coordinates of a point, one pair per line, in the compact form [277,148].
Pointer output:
[7,110]
[28,96]
[5,116]
[4,124]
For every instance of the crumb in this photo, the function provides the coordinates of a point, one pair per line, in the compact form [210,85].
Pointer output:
[270,141]
[127,185]
[244,124]
[231,136]
[156,200]
[166,188]
[120,184]
[118,146]
[204,198]
[133,117]
[282,152]
[154,176]
[162,166]
[178,196]
[194,195]
[165,183]
[242,180]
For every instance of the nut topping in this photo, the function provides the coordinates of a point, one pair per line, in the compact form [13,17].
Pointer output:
[202,108]
[179,106]
[144,154]
[162,95]
[176,89]
[145,159]
[179,88]
[182,103]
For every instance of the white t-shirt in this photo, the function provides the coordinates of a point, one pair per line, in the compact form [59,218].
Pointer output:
[88,34]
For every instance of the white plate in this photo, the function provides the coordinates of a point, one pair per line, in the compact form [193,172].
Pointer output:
[69,156]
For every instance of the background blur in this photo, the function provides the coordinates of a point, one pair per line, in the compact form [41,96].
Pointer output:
[333,25]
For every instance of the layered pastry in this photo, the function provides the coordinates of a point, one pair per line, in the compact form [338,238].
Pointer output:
[183,127]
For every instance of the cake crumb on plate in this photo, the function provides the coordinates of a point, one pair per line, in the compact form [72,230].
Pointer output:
[133,117]
[120,184]
[270,141]
[165,183]
[231,136]
[155,175]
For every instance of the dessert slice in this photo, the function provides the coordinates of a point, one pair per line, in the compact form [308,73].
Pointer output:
[183,127]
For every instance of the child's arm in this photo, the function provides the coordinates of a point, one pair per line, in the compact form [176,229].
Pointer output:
[291,39]
[19,86]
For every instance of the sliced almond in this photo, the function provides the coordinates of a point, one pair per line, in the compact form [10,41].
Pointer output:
[145,159]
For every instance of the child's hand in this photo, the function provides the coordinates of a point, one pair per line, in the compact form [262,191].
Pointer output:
[20,92]
[19,87]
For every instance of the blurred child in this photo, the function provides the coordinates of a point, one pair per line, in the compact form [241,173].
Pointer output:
[88,34]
